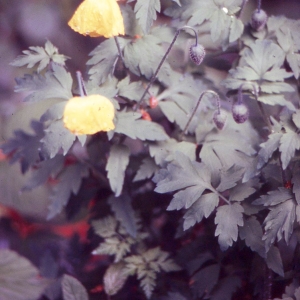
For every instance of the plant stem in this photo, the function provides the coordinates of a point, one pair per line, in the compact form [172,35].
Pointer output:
[197,105]
[120,51]
[82,89]
[258,5]
[141,102]
[242,8]
[220,195]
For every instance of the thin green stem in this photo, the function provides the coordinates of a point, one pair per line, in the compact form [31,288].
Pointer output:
[242,9]
[82,89]
[220,195]
[120,51]
[197,105]
[141,102]
[258,5]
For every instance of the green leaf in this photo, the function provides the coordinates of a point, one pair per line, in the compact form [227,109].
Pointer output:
[41,56]
[230,177]
[174,295]
[122,208]
[55,84]
[274,197]
[236,29]
[146,12]
[228,218]
[268,148]
[243,190]
[116,165]
[114,278]
[296,184]
[182,174]
[165,151]
[205,280]
[25,147]
[202,207]
[57,138]
[69,181]
[128,124]
[72,289]
[274,261]
[218,20]
[252,233]
[103,60]
[130,90]
[289,142]
[279,222]
[19,278]
[276,100]
[146,170]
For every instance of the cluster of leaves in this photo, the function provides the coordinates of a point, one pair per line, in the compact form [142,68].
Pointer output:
[235,193]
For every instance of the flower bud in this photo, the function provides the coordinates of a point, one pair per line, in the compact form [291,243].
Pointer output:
[240,113]
[197,53]
[219,119]
[259,19]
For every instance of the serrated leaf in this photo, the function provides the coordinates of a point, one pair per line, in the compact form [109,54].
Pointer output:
[114,278]
[121,206]
[289,142]
[146,12]
[243,190]
[296,185]
[105,227]
[202,207]
[296,118]
[274,197]
[252,233]
[146,170]
[164,152]
[230,177]
[183,174]
[55,84]
[57,138]
[25,147]
[218,20]
[55,112]
[268,148]
[43,171]
[130,90]
[69,181]
[276,100]
[228,218]
[274,261]
[279,222]
[103,60]
[205,280]
[41,56]
[116,165]
[73,289]
[19,278]
[128,124]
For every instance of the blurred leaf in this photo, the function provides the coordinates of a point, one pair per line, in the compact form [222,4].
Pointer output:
[55,84]
[116,165]
[145,11]
[69,181]
[114,278]
[19,279]
[25,147]
[274,261]
[122,208]
[57,138]
[73,289]
[41,56]
[289,142]
[226,287]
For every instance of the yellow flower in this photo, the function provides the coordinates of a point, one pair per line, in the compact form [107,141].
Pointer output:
[98,18]
[89,114]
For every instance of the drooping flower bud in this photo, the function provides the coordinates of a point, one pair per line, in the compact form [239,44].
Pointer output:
[219,119]
[240,113]
[259,19]
[197,54]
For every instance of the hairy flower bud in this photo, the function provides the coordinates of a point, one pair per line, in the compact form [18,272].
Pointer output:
[219,119]
[259,19]
[240,113]
[197,54]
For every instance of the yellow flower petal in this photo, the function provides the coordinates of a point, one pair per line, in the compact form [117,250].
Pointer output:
[98,18]
[89,114]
